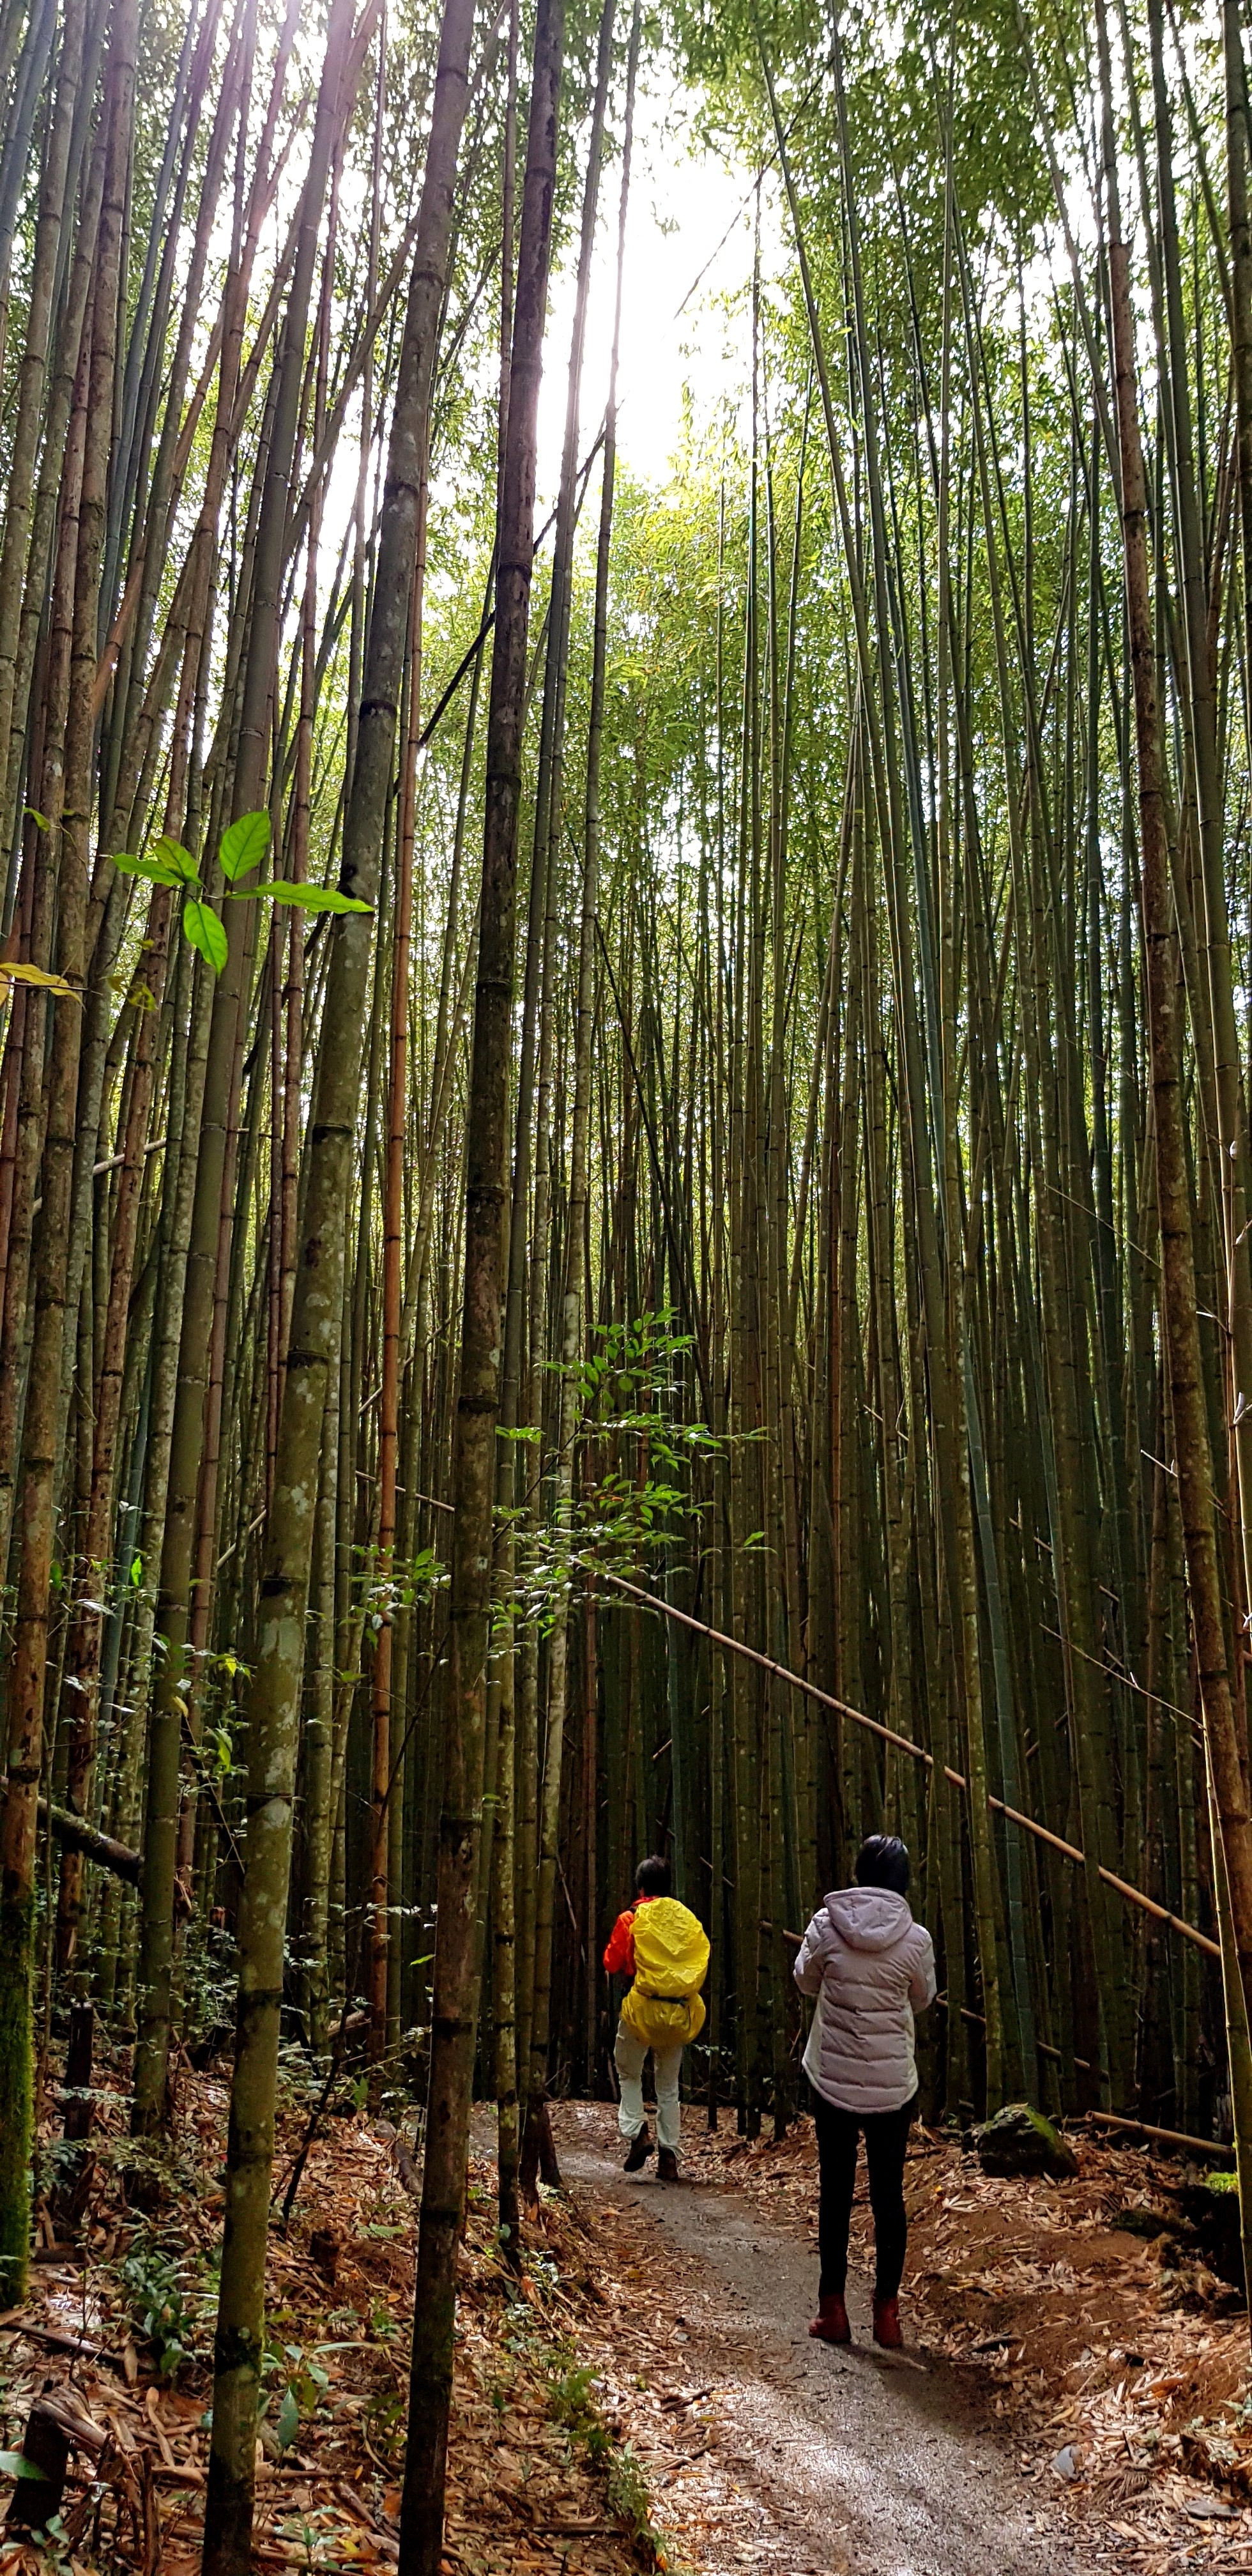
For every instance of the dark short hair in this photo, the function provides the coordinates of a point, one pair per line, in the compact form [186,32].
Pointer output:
[883,1861]
[654,1877]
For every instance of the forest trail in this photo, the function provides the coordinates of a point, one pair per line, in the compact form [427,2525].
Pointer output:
[816,2462]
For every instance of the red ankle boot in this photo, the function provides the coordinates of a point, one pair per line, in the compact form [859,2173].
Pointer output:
[887,2323]
[830,2325]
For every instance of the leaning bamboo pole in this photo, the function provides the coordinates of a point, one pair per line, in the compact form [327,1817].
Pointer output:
[905,1744]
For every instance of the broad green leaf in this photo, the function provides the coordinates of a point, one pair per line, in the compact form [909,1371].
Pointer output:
[39,820]
[33,975]
[179,861]
[288,2424]
[136,1571]
[244,844]
[157,871]
[206,932]
[14,2464]
[311,898]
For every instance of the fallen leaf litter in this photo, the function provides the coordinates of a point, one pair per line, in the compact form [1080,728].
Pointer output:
[527,2489]
[1117,2366]
[1117,2370]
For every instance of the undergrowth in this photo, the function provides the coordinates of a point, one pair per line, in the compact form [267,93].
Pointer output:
[574,2405]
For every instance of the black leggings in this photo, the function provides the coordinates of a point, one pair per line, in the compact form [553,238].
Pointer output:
[886,2136]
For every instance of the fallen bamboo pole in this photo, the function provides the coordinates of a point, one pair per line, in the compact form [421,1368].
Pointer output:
[1168,2137]
[74,1835]
[843,1708]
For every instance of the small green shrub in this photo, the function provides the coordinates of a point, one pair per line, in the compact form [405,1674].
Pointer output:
[158,2306]
[628,2493]
[574,2406]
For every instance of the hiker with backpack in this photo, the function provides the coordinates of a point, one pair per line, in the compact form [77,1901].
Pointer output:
[664,1949]
[871,1967]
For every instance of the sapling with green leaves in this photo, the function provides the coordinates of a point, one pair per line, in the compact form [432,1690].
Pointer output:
[243,845]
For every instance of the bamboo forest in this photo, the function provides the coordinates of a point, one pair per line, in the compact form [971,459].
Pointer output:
[625,1166]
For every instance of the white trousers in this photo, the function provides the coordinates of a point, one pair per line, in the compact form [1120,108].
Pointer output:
[628,2056]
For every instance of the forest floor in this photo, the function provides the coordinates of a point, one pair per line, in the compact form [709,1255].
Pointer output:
[1071,2398]
[121,2326]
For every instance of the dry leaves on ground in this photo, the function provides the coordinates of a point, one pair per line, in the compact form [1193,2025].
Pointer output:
[1118,2369]
[530,2471]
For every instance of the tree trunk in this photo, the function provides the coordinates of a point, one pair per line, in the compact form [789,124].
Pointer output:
[454,2011]
[274,1695]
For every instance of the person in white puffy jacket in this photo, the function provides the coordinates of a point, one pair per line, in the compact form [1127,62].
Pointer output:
[871,1968]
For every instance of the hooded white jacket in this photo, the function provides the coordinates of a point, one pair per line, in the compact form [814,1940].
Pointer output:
[871,1967]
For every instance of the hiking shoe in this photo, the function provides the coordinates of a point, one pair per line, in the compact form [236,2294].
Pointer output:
[830,2325]
[640,2150]
[887,2324]
[667,2166]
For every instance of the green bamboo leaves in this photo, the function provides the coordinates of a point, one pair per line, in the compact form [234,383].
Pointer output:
[243,845]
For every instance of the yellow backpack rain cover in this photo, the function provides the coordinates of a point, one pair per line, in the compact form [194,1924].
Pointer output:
[664,2008]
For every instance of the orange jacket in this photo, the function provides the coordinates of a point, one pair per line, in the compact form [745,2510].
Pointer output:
[619,1956]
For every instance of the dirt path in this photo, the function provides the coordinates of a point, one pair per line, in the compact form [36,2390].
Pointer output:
[763,2449]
